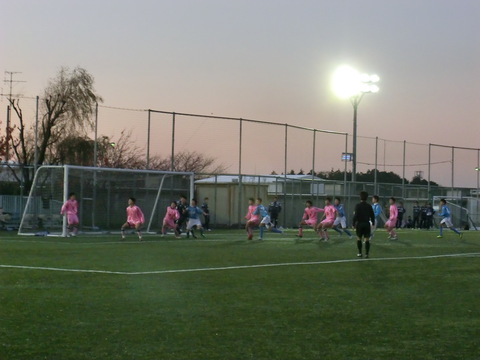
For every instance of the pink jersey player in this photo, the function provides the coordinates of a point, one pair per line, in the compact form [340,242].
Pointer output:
[171,216]
[392,219]
[135,218]
[330,214]
[309,217]
[329,219]
[252,220]
[69,209]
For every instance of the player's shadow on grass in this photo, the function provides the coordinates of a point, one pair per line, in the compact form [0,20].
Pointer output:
[299,241]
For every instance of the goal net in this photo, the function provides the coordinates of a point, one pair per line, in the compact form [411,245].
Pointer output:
[102,196]
[464,211]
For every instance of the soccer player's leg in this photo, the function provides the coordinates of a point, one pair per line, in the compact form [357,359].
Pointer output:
[122,229]
[200,228]
[138,229]
[262,229]
[366,236]
[343,223]
[300,229]
[359,233]
[335,225]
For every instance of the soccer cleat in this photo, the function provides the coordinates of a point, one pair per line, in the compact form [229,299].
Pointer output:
[123,237]
[394,238]
[299,236]
[194,236]
[460,235]
[139,238]
[250,237]
[359,255]
[260,239]
[439,237]
[203,236]
[366,256]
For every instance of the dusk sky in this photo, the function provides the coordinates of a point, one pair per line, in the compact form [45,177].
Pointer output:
[267,60]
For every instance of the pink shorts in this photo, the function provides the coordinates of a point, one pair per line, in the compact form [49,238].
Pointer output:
[169,223]
[390,223]
[327,223]
[133,225]
[72,219]
[310,222]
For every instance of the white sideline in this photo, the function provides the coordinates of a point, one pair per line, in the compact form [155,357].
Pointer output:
[239,266]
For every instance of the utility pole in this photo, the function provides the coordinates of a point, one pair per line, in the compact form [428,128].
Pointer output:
[9,80]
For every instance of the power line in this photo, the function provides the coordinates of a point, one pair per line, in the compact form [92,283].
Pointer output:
[398,165]
[10,81]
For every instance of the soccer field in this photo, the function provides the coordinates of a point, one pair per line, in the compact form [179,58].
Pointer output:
[98,297]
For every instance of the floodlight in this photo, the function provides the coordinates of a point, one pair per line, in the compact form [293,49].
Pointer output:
[349,83]
[345,82]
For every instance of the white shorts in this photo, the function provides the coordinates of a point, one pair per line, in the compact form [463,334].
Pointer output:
[193,222]
[447,221]
[266,220]
[340,220]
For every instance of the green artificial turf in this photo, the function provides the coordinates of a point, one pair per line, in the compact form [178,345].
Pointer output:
[380,308]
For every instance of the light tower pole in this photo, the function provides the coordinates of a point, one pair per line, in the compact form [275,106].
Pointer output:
[349,83]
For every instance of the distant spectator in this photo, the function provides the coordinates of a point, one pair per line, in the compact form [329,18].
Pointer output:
[430,212]
[423,217]
[401,212]
[409,223]
[206,214]
[416,215]
[274,209]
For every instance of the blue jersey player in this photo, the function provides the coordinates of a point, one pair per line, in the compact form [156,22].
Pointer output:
[341,219]
[446,219]
[377,210]
[266,222]
[194,213]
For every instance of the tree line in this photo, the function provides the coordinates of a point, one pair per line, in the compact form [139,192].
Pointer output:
[66,117]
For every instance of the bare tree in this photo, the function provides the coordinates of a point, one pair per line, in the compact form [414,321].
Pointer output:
[120,152]
[66,110]
[189,161]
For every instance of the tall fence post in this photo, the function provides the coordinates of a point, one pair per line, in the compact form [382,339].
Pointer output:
[453,167]
[240,140]
[376,167]
[403,168]
[7,131]
[478,175]
[313,154]
[285,177]
[35,161]
[95,162]
[429,169]
[172,157]
[148,140]
[345,168]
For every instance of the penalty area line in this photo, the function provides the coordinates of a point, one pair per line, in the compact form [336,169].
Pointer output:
[238,267]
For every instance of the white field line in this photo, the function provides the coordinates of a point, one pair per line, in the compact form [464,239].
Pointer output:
[240,266]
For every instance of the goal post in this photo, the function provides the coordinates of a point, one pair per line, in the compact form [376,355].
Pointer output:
[102,195]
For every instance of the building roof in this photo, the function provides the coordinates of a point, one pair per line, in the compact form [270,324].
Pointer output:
[262,179]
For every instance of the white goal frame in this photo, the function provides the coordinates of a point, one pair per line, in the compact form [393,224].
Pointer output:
[66,170]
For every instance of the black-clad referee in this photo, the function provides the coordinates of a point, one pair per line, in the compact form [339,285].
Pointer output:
[362,219]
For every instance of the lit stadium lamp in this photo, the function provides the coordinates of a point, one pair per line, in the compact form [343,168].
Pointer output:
[349,83]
